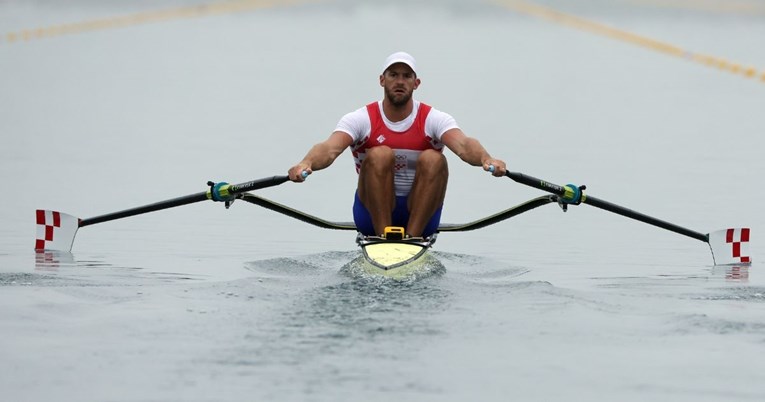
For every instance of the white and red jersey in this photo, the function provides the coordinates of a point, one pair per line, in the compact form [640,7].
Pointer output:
[419,131]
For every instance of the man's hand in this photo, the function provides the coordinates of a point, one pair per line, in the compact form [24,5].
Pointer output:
[497,167]
[299,172]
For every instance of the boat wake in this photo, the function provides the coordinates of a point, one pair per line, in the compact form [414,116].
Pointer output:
[300,266]
[351,264]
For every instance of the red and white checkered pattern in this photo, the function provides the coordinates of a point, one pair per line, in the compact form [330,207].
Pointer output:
[47,221]
[400,162]
[736,238]
[55,230]
[731,246]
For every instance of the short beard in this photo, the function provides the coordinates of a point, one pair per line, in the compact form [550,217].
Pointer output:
[398,100]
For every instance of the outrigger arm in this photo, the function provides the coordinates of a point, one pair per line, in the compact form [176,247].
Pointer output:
[444,227]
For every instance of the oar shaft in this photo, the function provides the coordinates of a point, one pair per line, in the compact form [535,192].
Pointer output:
[595,202]
[608,206]
[188,199]
[175,202]
[257,184]
[536,183]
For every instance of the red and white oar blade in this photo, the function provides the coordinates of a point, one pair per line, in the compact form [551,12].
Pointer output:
[730,246]
[55,231]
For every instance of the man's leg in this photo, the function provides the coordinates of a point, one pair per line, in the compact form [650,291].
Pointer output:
[376,186]
[428,190]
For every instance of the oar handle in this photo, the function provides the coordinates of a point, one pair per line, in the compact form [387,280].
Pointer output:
[605,205]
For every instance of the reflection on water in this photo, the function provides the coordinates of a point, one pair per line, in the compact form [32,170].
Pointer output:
[732,273]
[98,271]
[52,260]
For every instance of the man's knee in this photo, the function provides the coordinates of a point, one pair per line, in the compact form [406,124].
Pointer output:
[380,156]
[432,162]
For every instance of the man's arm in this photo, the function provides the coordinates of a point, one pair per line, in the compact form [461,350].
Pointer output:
[471,151]
[321,155]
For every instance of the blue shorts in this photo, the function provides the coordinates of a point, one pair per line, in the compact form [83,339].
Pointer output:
[400,217]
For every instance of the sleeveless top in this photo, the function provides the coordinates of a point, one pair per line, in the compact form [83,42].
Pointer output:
[406,145]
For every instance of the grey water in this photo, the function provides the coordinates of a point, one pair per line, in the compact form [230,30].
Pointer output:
[200,303]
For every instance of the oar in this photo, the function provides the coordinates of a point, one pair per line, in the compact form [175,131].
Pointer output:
[56,230]
[568,192]
[729,246]
[222,192]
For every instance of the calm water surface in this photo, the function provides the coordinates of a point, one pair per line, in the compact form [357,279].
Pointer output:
[200,303]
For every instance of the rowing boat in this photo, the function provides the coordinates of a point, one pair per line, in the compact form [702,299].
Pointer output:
[392,255]
[396,257]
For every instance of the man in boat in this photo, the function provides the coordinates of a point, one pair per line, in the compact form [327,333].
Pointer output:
[397,146]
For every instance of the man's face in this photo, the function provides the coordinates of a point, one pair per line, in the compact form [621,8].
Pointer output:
[399,82]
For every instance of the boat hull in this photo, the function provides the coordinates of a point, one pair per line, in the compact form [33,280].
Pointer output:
[396,258]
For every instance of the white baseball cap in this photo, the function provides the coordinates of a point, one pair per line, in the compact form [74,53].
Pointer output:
[400,57]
